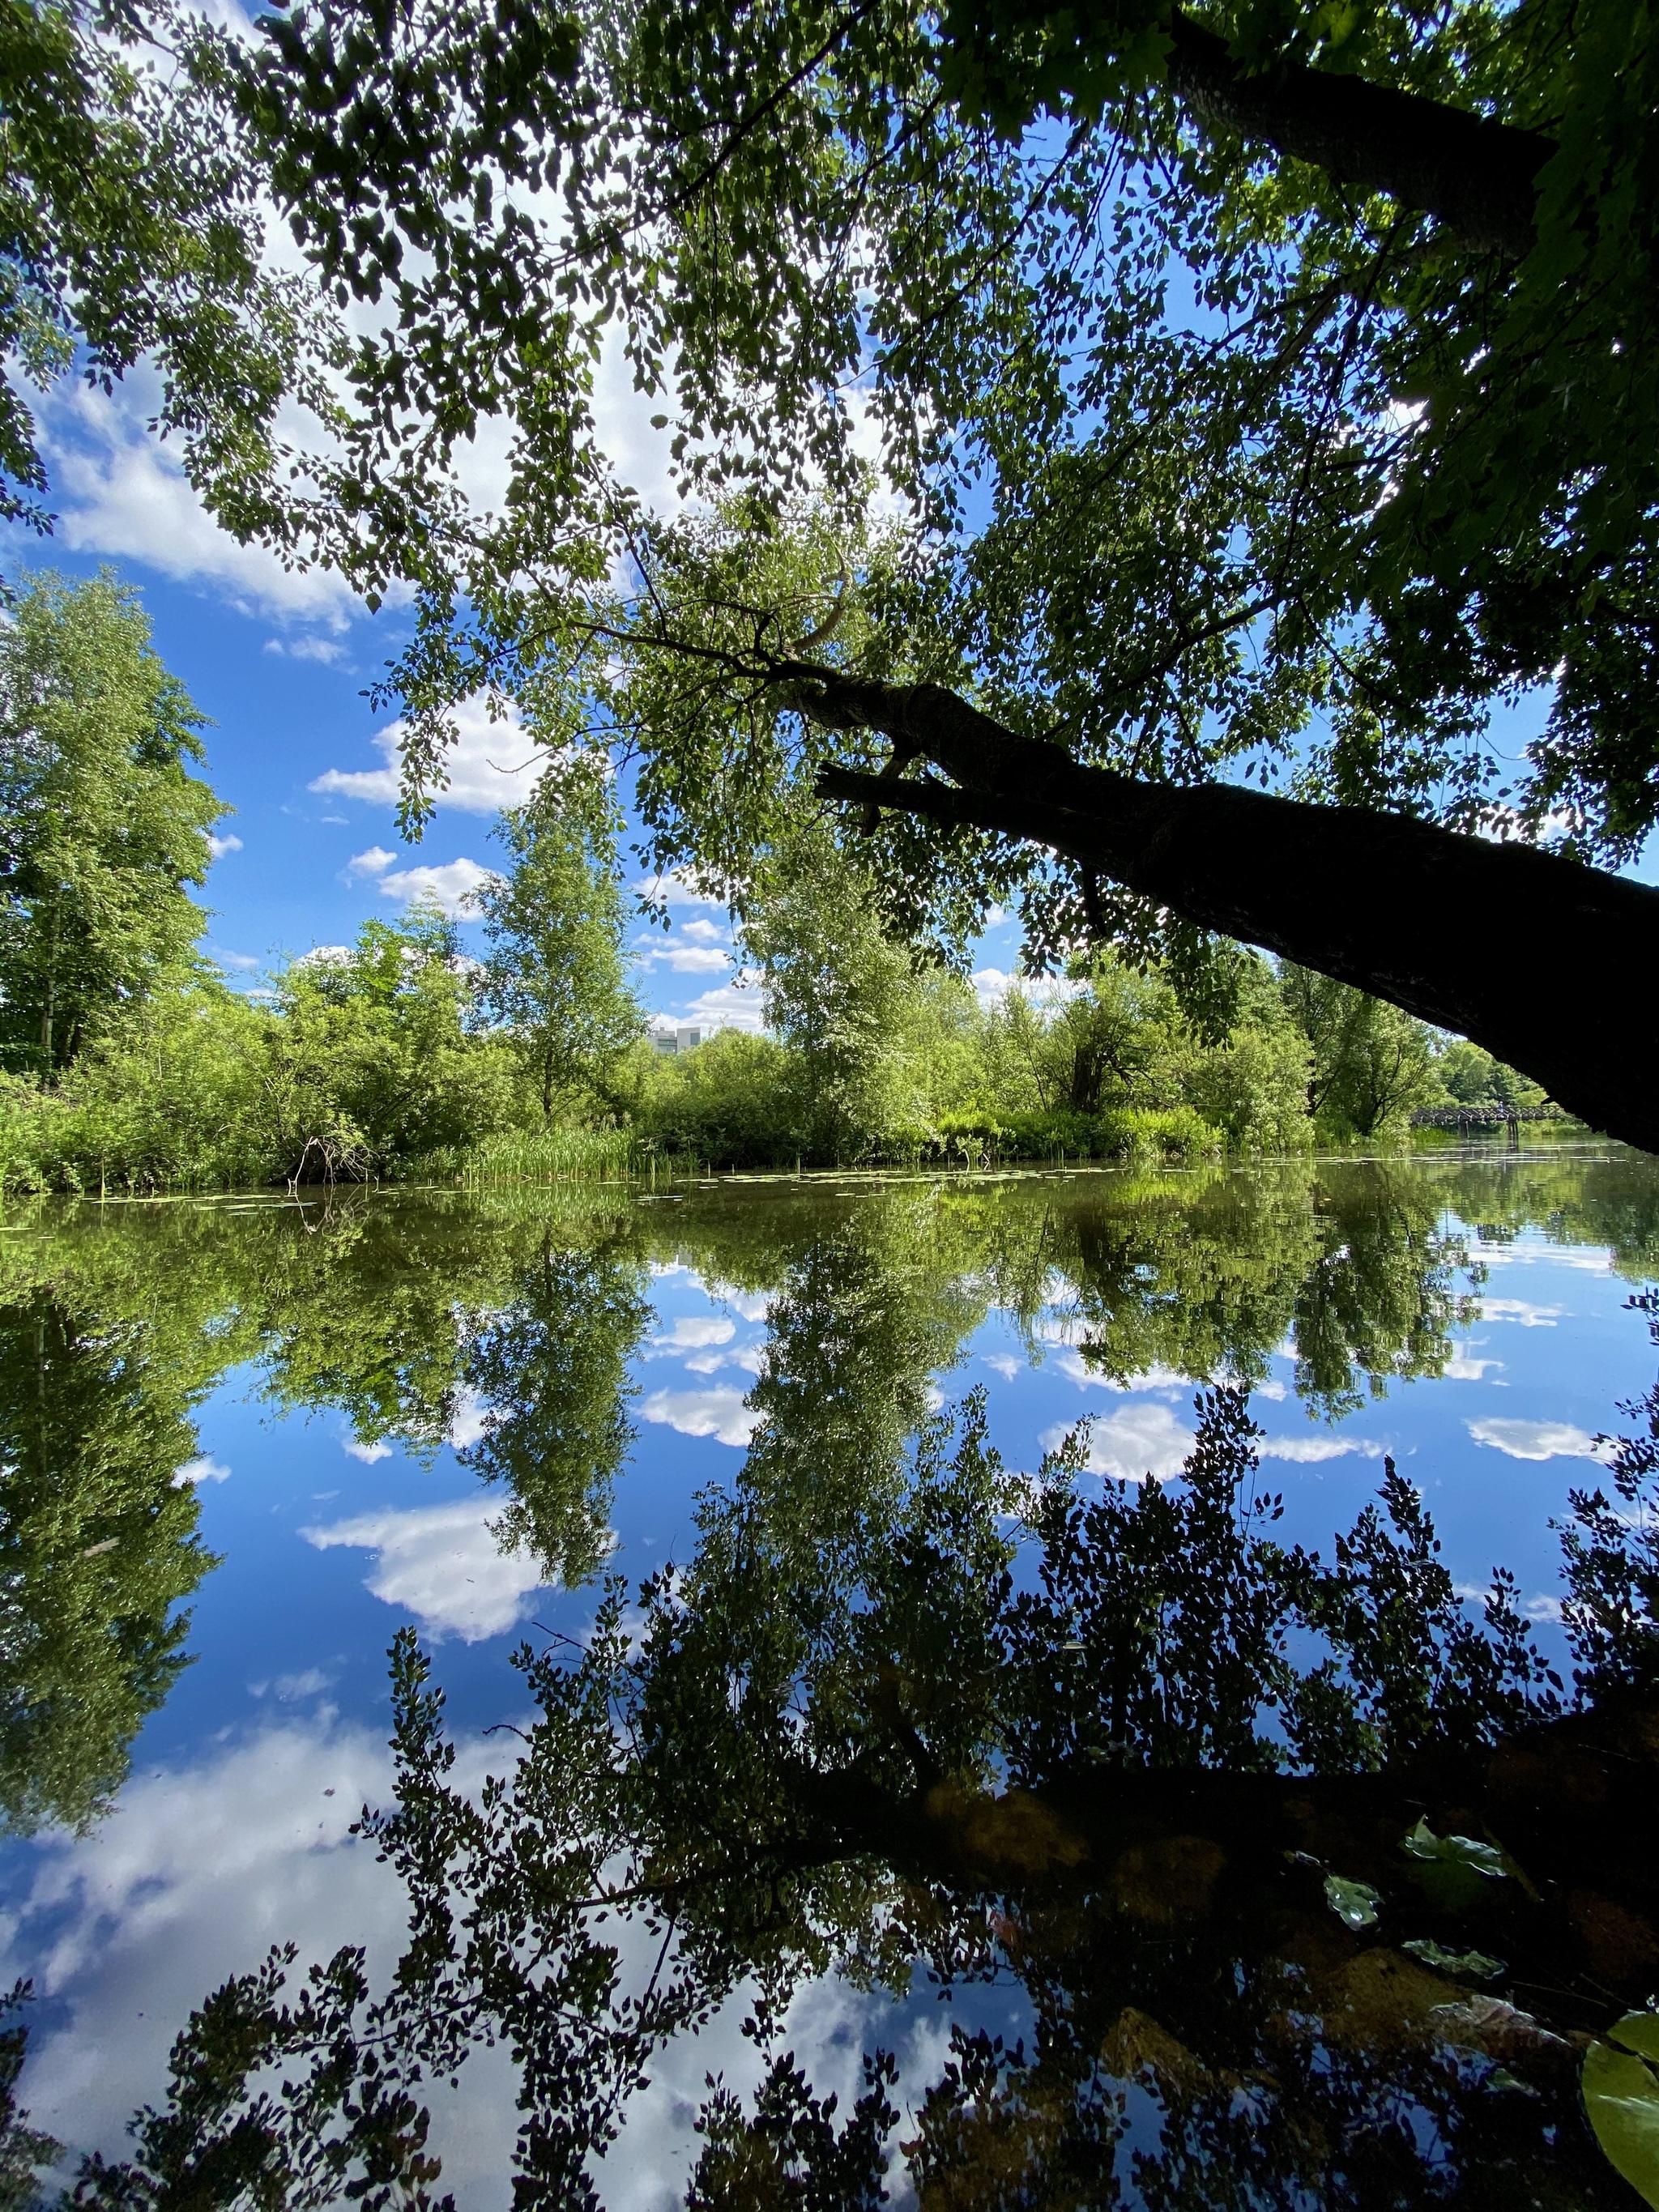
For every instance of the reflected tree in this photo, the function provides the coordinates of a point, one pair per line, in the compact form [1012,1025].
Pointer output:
[98,1544]
[550,1366]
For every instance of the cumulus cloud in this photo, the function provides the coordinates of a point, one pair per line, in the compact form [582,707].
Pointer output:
[240,961]
[1081,1372]
[325,649]
[704,932]
[735,1006]
[1522,1311]
[1001,1363]
[720,1412]
[1308,1451]
[684,959]
[693,1332]
[442,1563]
[1538,1439]
[219,845]
[200,1470]
[448,885]
[368,1453]
[676,888]
[1463,1367]
[493,763]
[122,492]
[1141,1443]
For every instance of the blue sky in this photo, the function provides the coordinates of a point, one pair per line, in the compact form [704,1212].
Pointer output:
[281,663]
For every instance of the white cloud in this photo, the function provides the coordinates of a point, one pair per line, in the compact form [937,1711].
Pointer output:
[368,1453]
[704,932]
[325,649]
[1308,1451]
[675,889]
[685,959]
[1139,1444]
[1538,1439]
[693,1332]
[294,1689]
[447,885]
[219,845]
[200,1470]
[493,763]
[241,961]
[1518,1310]
[1072,1364]
[1271,1388]
[720,1412]
[747,1305]
[735,1006]
[1001,1363]
[750,1358]
[442,1563]
[470,1420]
[122,492]
[1462,1367]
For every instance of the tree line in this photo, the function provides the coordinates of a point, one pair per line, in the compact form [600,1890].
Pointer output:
[129,1062]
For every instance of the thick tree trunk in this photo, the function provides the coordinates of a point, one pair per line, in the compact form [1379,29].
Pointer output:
[1547,964]
[1476,176]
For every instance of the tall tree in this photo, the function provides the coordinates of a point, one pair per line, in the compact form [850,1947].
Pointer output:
[102,825]
[557,971]
[1302,529]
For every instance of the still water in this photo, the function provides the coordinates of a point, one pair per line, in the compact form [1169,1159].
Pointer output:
[922,1696]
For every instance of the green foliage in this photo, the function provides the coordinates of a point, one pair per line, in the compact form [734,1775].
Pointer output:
[1470,1077]
[557,974]
[99,1541]
[102,825]
[1372,1065]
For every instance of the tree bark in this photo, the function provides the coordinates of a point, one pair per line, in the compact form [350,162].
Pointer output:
[1478,177]
[1545,962]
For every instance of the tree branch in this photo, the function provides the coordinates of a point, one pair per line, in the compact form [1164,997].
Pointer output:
[1534,956]
[1476,176]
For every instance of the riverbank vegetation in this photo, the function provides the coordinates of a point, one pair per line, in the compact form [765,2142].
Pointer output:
[129,1063]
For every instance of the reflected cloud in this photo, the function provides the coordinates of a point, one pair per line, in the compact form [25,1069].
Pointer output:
[1538,1439]
[1522,1311]
[1308,1451]
[721,1413]
[442,1563]
[1083,1373]
[1142,1444]
[693,1333]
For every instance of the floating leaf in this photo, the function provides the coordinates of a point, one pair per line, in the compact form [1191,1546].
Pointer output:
[1468,1966]
[1354,1903]
[1455,1851]
[1637,2032]
[1621,2096]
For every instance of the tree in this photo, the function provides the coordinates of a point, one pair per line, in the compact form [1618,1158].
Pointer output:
[839,992]
[376,1055]
[102,824]
[1305,530]
[1371,1064]
[99,1542]
[556,976]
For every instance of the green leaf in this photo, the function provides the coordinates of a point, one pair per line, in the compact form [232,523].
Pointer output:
[1467,1966]
[1455,1850]
[1637,2032]
[1621,2097]
[1354,1903]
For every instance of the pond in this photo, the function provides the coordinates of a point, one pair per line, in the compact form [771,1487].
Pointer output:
[1019,1655]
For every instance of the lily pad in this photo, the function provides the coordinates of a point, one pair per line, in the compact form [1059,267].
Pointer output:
[1455,1851]
[1637,2032]
[1621,2097]
[1467,1966]
[1354,1903]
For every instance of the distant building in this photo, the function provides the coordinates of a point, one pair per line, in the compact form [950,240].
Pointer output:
[682,1039]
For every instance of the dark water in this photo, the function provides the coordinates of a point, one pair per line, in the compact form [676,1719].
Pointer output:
[1186,1818]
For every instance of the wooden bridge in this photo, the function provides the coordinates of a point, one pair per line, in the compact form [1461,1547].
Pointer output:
[1484,1117]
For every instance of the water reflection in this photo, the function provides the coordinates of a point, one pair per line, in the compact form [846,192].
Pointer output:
[1308,1879]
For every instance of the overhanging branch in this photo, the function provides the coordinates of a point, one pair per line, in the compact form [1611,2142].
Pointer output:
[1534,956]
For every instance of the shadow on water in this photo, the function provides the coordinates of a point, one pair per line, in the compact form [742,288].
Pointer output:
[1318,1885]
